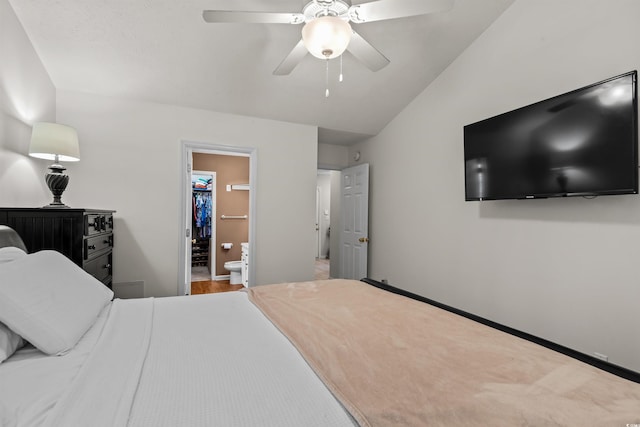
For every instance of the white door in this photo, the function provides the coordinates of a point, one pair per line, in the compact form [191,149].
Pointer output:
[354,237]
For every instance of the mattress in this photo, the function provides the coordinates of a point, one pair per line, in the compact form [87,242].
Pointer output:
[194,361]
[280,358]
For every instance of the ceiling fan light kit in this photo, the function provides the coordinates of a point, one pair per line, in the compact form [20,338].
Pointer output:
[326,37]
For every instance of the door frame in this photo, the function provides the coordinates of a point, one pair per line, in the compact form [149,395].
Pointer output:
[318,226]
[187,149]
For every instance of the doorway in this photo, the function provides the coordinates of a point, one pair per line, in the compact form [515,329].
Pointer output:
[246,217]
[327,224]
[348,199]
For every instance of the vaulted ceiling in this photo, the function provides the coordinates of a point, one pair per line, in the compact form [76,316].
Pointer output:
[163,51]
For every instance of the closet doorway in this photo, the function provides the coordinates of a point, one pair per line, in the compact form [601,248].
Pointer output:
[239,218]
[203,225]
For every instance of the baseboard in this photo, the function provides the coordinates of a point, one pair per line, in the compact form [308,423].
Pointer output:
[591,360]
[223,277]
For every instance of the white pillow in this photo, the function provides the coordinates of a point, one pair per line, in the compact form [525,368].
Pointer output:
[9,342]
[49,301]
[11,253]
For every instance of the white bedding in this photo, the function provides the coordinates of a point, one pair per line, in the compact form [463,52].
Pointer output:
[207,360]
[31,382]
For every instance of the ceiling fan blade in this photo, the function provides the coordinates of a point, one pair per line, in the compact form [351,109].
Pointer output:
[232,16]
[391,9]
[292,60]
[367,54]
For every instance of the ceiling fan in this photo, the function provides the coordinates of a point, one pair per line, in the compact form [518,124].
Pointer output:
[326,33]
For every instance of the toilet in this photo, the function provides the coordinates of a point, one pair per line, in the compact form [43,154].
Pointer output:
[235,268]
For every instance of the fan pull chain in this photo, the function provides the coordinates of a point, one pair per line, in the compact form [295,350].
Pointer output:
[340,76]
[326,80]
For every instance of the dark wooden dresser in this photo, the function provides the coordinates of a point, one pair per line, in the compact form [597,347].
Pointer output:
[83,235]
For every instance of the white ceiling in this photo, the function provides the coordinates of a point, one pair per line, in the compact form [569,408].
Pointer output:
[163,51]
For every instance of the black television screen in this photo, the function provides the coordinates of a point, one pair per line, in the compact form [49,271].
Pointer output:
[582,143]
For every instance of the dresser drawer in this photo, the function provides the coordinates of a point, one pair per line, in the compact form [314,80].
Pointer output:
[97,223]
[100,267]
[96,244]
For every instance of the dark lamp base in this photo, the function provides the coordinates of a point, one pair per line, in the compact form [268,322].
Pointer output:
[57,182]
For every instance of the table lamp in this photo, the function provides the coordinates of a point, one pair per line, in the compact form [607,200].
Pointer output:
[52,141]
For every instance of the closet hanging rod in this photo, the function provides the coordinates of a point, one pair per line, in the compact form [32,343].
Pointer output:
[233,216]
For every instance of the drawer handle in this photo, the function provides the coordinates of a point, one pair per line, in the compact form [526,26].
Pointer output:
[107,266]
[91,247]
[100,223]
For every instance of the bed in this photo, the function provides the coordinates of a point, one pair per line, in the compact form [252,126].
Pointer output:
[322,353]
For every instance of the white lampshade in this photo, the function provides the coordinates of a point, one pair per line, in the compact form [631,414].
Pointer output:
[326,37]
[51,139]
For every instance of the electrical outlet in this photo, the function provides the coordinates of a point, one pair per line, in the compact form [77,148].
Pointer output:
[601,356]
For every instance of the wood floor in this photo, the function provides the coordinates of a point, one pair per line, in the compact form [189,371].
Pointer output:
[212,286]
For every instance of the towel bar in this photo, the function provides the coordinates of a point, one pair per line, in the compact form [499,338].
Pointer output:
[233,217]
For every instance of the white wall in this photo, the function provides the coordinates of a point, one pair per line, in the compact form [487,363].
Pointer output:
[131,154]
[563,269]
[26,96]
[332,156]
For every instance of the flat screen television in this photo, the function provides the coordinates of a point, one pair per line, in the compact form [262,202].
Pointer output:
[582,143]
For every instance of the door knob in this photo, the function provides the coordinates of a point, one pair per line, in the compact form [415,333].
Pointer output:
[193,240]
[363,240]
